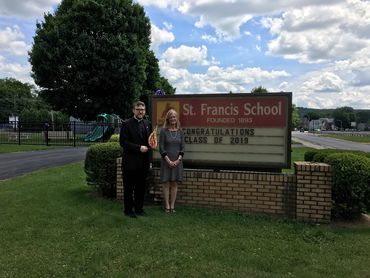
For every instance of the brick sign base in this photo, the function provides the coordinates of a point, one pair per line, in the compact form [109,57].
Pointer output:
[304,195]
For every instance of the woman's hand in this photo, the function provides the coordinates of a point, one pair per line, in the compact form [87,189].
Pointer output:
[176,162]
[171,163]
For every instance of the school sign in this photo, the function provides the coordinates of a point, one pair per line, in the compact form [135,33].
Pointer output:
[231,131]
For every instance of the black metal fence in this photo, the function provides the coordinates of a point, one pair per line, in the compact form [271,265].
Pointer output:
[68,134]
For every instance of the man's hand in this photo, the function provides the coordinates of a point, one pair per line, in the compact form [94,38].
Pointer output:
[144,149]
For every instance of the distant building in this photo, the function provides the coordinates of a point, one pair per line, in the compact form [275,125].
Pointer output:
[321,124]
[13,121]
[363,127]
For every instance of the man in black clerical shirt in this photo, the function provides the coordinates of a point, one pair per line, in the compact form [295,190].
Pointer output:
[135,159]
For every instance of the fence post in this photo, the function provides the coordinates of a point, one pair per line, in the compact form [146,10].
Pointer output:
[74,133]
[19,132]
[46,132]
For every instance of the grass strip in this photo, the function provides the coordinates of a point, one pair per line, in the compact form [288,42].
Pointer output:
[51,225]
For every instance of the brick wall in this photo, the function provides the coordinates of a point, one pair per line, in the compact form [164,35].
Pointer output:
[314,184]
[305,195]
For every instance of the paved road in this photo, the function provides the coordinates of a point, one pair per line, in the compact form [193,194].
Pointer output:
[15,164]
[326,142]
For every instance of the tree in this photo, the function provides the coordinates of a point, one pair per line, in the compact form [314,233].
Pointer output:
[295,117]
[92,57]
[154,81]
[363,116]
[259,90]
[343,116]
[15,96]
[312,116]
[43,115]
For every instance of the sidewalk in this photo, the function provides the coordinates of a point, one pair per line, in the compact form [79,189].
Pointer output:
[307,144]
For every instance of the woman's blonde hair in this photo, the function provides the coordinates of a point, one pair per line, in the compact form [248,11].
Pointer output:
[169,113]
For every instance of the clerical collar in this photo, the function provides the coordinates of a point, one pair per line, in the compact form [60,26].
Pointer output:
[138,120]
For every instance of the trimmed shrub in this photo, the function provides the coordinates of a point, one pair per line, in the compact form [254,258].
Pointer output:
[114,138]
[320,155]
[100,167]
[323,153]
[308,156]
[351,178]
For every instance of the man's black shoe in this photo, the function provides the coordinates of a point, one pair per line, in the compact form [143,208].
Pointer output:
[131,215]
[141,213]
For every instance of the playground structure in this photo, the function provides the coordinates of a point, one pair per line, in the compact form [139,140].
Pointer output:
[105,127]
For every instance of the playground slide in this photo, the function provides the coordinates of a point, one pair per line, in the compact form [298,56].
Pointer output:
[97,133]
[106,123]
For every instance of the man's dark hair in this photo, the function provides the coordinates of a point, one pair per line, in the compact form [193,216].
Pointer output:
[138,103]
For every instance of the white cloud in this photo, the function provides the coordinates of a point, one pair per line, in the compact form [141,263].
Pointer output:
[27,8]
[184,56]
[283,86]
[310,31]
[333,100]
[168,25]
[10,42]
[161,3]
[226,29]
[323,82]
[160,36]
[344,83]
[216,79]
[356,69]
[248,34]
[228,16]
[15,70]
[318,34]
[361,78]
[209,38]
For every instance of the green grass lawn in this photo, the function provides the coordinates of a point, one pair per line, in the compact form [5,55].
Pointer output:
[52,226]
[296,155]
[9,148]
[357,139]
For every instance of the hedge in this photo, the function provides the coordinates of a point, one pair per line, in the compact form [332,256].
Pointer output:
[114,138]
[351,184]
[320,154]
[100,167]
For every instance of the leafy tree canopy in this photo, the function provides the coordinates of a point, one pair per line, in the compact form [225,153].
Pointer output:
[313,115]
[43,115]
[295,117]
[363,116]
[343,116]
[92,57]
[259,90]
[15,96]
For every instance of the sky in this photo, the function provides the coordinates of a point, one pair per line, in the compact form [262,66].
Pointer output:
[318,50]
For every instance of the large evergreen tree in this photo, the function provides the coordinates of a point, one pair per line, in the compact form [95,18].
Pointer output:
[92,56]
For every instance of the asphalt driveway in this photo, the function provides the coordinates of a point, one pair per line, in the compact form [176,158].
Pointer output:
[15,164]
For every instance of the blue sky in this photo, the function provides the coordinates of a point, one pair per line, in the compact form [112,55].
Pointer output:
[319,50]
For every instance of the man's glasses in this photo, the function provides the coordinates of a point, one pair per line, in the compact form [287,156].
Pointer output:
[140,109]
